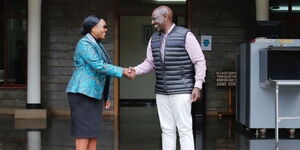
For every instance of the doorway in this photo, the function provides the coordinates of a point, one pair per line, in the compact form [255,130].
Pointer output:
[135,32]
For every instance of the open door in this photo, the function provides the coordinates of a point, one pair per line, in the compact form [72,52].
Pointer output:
[135,32]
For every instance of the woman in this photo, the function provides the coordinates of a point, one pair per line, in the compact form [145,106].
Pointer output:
[89,84]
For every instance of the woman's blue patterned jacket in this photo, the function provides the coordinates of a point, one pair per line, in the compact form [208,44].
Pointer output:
[93,69]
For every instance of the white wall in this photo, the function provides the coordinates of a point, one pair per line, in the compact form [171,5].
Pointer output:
[133,52]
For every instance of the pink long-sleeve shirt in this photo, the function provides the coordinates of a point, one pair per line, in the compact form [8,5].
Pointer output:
[194,51]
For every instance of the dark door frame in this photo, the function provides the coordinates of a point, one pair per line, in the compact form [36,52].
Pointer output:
[116,21]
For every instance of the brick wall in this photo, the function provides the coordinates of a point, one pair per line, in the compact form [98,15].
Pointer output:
[61,22]
[227,22]
[13,98]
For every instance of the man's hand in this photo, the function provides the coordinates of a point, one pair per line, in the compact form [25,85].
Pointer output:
[132,71]
[129,73]
[195,94]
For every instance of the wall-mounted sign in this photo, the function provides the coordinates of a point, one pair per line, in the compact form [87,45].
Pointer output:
[206,41]
[226,78]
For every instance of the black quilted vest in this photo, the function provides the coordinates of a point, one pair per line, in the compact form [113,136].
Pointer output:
[174,75]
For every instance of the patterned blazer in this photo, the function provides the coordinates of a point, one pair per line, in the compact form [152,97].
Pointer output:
[93,69]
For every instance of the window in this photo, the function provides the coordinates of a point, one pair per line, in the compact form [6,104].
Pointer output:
[13,43]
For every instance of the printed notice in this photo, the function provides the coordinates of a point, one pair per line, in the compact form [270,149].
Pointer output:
[206,41]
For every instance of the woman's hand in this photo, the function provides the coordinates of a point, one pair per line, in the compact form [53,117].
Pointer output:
[129,73]
[107,104]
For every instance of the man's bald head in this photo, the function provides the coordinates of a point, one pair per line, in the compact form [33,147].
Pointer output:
[162,18]
[164,10]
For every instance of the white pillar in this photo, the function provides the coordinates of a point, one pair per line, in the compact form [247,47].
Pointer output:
[262,10]
[34,140]
[34,53]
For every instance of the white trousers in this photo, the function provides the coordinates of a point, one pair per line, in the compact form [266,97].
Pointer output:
[175,111]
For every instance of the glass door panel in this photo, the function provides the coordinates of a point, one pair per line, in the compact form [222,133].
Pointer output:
[17,53]
[1,51]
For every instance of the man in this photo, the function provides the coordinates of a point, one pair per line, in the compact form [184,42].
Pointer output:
[175,55]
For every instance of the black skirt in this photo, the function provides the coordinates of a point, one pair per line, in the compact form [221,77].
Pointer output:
[86,116]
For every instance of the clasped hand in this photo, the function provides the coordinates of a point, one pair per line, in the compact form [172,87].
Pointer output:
[129,73]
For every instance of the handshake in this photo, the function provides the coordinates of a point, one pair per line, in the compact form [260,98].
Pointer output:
[129,73]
